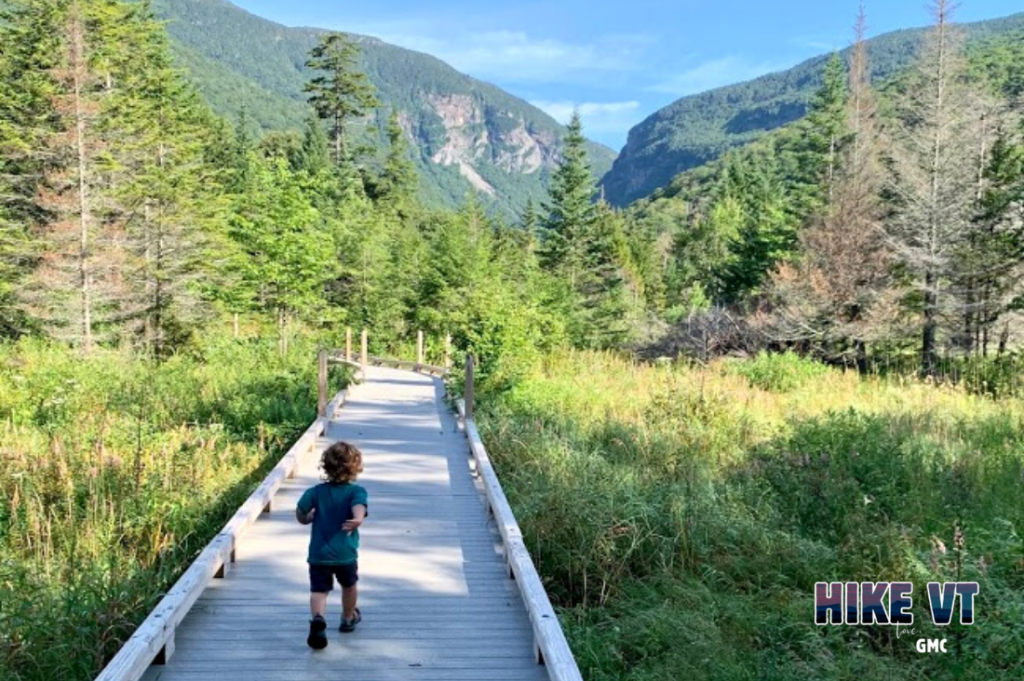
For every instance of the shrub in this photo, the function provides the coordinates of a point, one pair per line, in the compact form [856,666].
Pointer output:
[777,372]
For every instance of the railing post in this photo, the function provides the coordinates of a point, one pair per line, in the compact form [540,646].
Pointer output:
[448,351]
[419,347]
[469,386]
[348,343]
[364,353]
[321,384]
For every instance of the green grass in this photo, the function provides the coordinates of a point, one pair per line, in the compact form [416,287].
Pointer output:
[115,472]
[681,516]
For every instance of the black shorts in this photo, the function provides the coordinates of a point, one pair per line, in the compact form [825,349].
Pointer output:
[321,577]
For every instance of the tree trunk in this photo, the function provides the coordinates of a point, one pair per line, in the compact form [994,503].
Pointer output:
[78,67]
[929,332]
[861,353]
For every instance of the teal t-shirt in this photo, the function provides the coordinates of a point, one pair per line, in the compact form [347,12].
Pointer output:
[328,543]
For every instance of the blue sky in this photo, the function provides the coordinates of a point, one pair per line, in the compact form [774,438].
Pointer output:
[617,60]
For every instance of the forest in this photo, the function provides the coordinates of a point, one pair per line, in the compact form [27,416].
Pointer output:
[829,313]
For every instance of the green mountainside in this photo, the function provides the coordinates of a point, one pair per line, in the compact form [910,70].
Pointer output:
[468,135]
[699,128]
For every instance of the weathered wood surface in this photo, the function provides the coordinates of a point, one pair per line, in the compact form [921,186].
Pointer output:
[437,600]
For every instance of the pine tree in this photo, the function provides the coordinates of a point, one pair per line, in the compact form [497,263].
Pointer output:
[342,92]
[767,235]
[288,262]
[28,44]
[606,301]
[530,220]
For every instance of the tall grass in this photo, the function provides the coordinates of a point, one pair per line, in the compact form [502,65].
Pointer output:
[682,515]
[114,473]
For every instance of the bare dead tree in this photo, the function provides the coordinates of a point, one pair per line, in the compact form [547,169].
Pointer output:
[933,162]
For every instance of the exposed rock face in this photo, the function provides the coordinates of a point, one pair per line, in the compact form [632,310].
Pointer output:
[465,135]
[477,136]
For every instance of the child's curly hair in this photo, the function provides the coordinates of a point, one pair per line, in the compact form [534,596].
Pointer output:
[341,462]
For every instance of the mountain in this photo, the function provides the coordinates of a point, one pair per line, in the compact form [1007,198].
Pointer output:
[699,128]
[468,135]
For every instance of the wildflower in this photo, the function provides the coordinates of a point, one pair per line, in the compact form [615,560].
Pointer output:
[938,545]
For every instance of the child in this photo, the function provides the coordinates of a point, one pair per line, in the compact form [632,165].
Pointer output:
[336,509]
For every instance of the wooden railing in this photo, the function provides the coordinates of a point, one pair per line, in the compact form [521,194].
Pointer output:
[153,641]
[551,648]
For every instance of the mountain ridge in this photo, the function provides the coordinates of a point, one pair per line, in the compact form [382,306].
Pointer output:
[699,128]
[467,134]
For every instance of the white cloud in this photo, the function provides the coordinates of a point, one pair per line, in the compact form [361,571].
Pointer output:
[614,118]
[514,55]
[713,74]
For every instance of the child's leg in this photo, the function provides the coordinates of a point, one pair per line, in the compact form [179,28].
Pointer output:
[321,581]
[317,604]
[349,598]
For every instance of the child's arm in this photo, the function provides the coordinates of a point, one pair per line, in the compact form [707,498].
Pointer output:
[358,516]
[306,508]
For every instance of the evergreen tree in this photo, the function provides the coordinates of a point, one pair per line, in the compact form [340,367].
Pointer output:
[606,302]
[288,262]
[571,211]
[396,188]
[74,290]
[825,132]
[162,188]
[530,220]
[767,233]
[341,92]
[994,252]
[314,156]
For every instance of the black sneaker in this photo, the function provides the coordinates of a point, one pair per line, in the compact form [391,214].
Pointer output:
[348,626]
[317,633]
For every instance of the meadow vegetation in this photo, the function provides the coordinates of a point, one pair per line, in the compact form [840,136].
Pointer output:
[681,514]
[115,472]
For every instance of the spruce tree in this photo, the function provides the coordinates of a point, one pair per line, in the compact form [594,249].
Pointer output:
[74,290]
[341,92]
[396,188]
[314,155]
[826,131]
[570,211]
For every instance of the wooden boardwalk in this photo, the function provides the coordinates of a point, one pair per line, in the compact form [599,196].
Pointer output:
[435,592]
